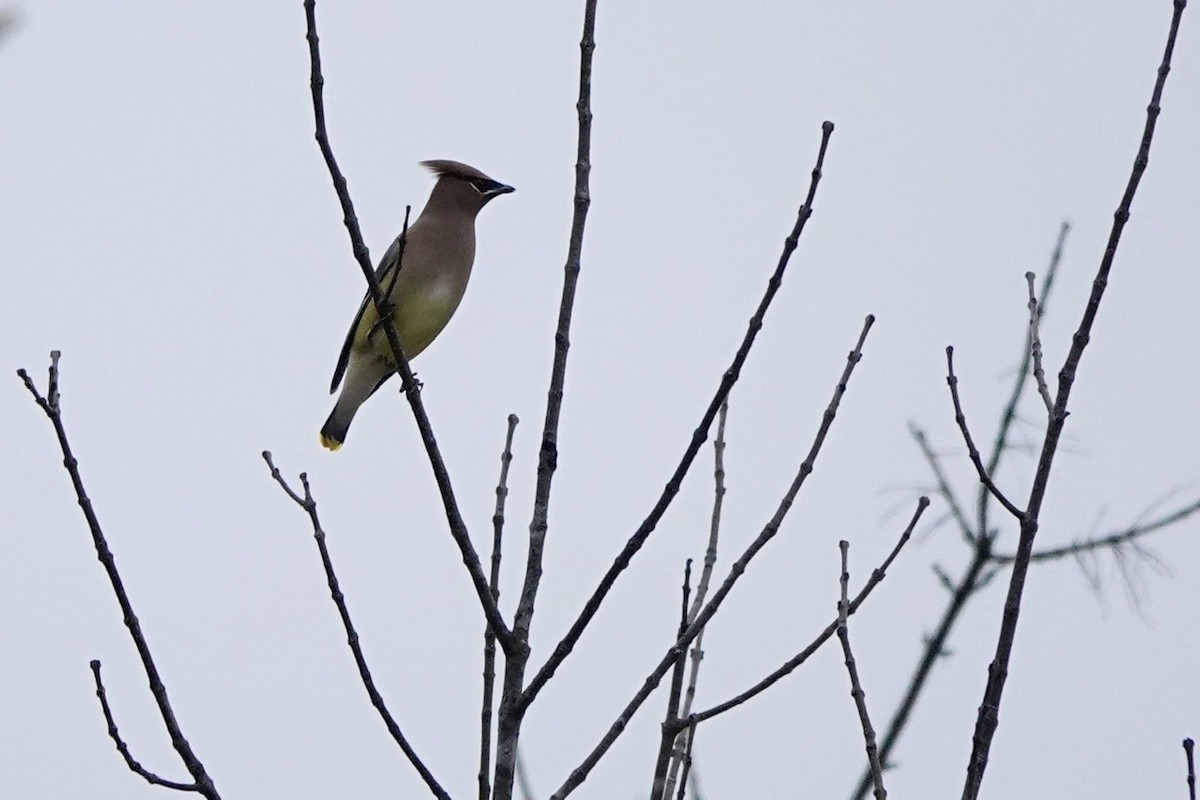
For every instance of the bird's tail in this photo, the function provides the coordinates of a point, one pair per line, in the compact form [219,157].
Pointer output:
[361,383]
[333,432]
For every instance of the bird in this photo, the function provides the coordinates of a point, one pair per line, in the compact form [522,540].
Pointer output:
[424,290]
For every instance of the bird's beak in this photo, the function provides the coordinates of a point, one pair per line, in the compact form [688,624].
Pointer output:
[498,189]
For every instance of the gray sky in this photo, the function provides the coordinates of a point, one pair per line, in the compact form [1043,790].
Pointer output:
[166,222]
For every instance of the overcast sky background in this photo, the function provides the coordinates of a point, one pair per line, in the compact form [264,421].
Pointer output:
[166,221]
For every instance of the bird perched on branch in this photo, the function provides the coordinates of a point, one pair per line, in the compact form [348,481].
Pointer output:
[423,291]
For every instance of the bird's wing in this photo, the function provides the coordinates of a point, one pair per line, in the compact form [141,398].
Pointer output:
[384,274]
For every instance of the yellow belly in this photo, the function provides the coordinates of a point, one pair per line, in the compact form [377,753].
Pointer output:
[418,316]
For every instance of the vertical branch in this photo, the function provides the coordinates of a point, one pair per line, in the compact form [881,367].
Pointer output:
[458,528]
[670,725]
[856,690]
[1188,747]
[51,406]
[512,710]
[687,762]
[548,455]
[989,710]
[489,636]
[1009,415]
[681,752]
[1035,345]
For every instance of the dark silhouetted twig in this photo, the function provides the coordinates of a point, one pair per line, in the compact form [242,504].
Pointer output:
[1188,747]
[513,701]
[988,717]
[689,735]
[670,725]
[856,690]
[50,404]
[972,450]
[1107,541]
[309,505]
[122,748]
[489,637]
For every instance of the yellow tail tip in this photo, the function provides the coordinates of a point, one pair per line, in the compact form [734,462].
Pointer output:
[329,443]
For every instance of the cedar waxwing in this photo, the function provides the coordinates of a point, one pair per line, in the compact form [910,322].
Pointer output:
[438,253]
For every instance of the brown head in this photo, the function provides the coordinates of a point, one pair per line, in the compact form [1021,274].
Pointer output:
[461,187]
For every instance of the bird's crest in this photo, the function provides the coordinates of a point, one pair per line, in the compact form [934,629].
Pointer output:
[454,169]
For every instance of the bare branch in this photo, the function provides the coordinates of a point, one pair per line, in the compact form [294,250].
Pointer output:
[50,404]
[670,726]
[514,700]
[1008,416]
[122,748]
[856,690]
[989,709]
[548,454]
[1188,747]
[412,389]
[730,376]
[309,505]
[1035,345]
[681,751]
[972,450]
[1108,541]
[689,734]
[489,636]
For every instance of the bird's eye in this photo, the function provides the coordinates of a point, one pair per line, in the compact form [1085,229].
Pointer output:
[485,186]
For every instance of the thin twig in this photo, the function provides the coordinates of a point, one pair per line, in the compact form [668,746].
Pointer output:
[122,748]
[683,742]
[972,450]
[730,376]
[714,527]
[689,734]
[1035,344]
[412,389]
[548,454]
[309,505]
[1111,540]
[489,636]
[513,700]
[856,690]
[51,405]
[580,773]
[1188,747]
[658,788]
[987,719]
[1008,416]
[973,580]
[795,661]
